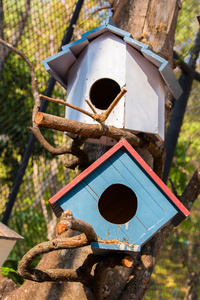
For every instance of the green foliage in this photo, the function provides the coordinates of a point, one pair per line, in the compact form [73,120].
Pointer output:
[187,27]
[5,271]
[10,269]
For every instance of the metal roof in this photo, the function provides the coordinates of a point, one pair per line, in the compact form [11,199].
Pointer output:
[7,233]
[59,64]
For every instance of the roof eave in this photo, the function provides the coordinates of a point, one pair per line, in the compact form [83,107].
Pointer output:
[71,51]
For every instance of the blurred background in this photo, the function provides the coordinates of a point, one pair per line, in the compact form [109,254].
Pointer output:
[29,176]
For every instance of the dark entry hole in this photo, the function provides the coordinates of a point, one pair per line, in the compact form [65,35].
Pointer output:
[103,92]
[118,204]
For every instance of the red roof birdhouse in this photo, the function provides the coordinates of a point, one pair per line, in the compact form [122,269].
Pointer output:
[122,198]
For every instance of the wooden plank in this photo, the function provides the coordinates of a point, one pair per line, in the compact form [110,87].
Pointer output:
[156,179]
[84,206]
[99,184]
[152,231]
[105,248]
[134,177]
[144,183]
[86,172]
[110,174]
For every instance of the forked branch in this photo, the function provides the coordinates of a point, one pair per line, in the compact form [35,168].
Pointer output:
[44,120]
[83,273]
[100,118]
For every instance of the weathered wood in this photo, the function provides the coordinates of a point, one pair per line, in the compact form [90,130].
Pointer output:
[44,120]
[149,21]
[128,261]
[81,240]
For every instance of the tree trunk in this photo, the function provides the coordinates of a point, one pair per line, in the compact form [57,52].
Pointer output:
[152,22]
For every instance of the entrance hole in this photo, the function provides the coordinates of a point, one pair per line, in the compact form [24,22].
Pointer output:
[118,204]
[103,92]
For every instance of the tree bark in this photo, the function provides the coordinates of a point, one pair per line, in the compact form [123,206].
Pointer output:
[149,21]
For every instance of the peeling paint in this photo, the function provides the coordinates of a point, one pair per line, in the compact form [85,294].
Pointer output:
[126,226]
[122,246]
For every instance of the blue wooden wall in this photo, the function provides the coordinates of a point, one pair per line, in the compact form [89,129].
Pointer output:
[154,208]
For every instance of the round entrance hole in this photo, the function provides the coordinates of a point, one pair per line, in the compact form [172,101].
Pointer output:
[103,92]
[118,204]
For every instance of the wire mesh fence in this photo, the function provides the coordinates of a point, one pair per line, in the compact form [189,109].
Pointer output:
[37,28]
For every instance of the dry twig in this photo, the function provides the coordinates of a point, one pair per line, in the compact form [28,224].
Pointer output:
[33,77]
[83,273]
[100,118]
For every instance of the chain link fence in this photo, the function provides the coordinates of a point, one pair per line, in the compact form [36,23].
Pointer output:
[37,28]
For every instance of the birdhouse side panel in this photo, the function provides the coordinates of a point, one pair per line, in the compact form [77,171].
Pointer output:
[161,91]
[103,58]
[146,216]
[99,184]
[106,61]
[5,249]
[157,207]
[147,184]
[82,201]
[152,204]
[76,79]
[142,105]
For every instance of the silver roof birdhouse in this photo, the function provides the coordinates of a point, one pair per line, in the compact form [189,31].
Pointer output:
[103,61]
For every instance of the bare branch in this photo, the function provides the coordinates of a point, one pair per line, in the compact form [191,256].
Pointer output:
[174,188]
[198,19]
[44,120]
[185,67]
[33,77]
[18,33]
[100,118]
[103,116]
[73,149]
[95,131]
[81,240]
[91,106]
[27,272]
[67,104]
[83,273]
[70,222]
[46,145]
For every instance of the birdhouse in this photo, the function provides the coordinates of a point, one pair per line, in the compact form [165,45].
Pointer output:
[103,61]
[8,239]
[122,198]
